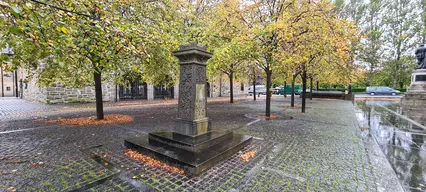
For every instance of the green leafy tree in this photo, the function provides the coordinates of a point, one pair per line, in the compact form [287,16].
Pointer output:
[312,38]
[422,7]
[400,36]
[372,43]
[225,37]
[90,40]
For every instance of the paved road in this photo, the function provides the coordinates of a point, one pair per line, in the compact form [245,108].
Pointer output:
[321,150]
[12,105]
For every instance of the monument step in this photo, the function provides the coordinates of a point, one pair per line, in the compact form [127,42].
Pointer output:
[193,163]
[190,143]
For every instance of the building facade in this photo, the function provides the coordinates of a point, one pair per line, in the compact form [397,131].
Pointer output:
[8,84]
[218,87]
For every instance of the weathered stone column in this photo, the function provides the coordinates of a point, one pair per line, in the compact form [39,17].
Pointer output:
[150,92]
[176,91]
[192,118]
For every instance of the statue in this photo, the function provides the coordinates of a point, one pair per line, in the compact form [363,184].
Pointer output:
[420,55]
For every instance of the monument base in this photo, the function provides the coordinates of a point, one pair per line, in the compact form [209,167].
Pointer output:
[193,154]
[415,96]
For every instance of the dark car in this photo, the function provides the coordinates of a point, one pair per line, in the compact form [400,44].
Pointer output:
[382,91]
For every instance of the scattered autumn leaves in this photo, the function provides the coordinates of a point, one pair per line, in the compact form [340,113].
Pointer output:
[262,116]
[83,121]
[151,162]
[248,155]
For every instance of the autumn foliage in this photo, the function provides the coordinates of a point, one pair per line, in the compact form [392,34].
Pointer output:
[83,121]
[248,155]
[151,161]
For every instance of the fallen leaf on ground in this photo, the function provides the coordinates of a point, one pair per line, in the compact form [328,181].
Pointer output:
[38,164]
[151,162]
[248,155]
[83,121]
[266,117]
[11,189]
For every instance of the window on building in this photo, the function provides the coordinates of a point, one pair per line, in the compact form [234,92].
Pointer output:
[242,86]
[7,88]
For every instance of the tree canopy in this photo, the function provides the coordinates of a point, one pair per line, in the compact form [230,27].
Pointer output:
[76,43]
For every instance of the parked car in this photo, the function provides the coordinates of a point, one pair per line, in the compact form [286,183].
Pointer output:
[260,89]
[288,90]
[382,91]
[299,92]
[275,90]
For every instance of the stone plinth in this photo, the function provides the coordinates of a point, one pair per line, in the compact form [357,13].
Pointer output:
[193,145]
[415,96]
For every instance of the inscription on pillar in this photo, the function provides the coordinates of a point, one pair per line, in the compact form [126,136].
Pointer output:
[200,102]
[421,78]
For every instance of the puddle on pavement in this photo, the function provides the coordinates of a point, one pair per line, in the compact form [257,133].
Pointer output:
[402,141]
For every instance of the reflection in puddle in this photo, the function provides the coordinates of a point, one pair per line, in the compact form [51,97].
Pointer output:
[402,141]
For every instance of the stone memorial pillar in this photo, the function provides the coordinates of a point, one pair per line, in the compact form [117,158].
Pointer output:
[150,92]
[192,112]
[193,145]
[176,91]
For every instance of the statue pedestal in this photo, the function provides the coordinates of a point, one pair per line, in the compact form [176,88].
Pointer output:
[415,96]
[193,145]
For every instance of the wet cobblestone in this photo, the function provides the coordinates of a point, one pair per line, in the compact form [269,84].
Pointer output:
[321,150]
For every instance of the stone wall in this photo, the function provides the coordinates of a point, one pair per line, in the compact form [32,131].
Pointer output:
[215,87]
[60,94]
[32,92]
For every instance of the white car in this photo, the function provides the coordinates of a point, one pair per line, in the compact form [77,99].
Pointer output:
[260,89]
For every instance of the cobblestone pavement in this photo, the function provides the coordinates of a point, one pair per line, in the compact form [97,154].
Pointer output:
[321,150]
[12,105]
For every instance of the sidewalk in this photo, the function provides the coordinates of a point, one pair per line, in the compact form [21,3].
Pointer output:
[12,108]
[321,150]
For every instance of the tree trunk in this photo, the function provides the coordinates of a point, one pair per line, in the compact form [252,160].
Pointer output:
[292,91]
[220,86]
[311,90]
[317,85]
[395,81]
[254,88]
[304,90]
[98,94]
[396,75]
[285,92]
[370,78]
[268,92]
[16,84]
[231,87]
[21,88]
